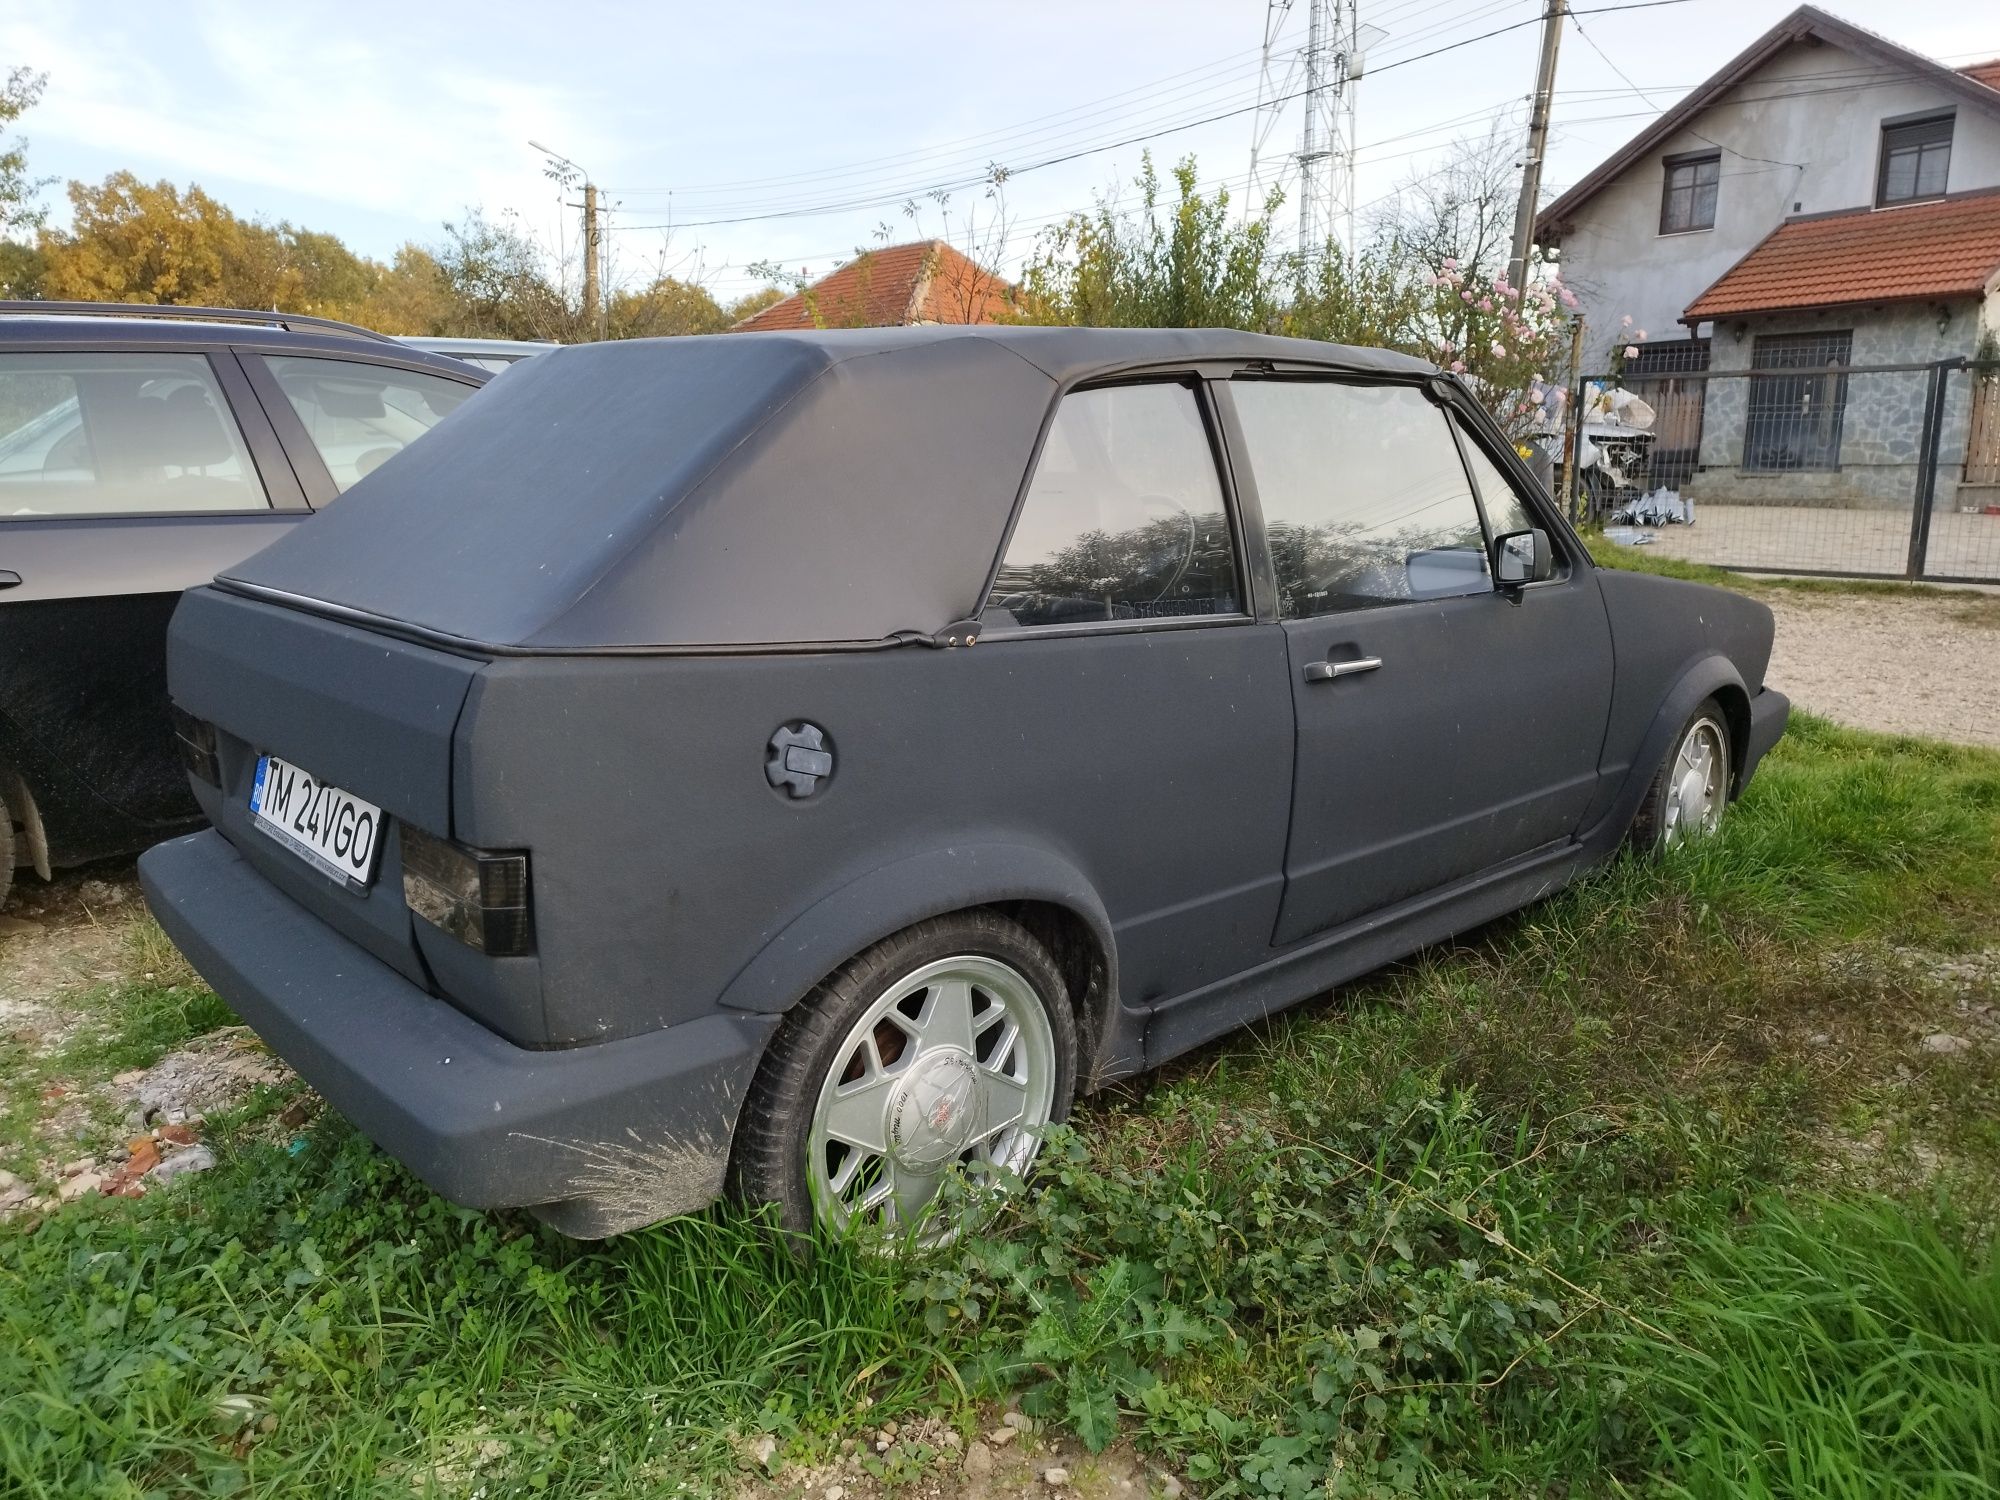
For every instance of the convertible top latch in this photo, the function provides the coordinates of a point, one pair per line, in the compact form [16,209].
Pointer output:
[958,633]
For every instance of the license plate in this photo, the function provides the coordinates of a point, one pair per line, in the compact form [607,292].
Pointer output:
[333,831]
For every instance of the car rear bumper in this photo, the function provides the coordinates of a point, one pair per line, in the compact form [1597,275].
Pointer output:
[596,1139]
[1768,712]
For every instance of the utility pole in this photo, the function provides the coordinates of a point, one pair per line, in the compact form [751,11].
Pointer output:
[592,296]
[1538,142]
[564,171]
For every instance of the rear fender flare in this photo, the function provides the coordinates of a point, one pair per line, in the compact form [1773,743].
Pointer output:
[886,900]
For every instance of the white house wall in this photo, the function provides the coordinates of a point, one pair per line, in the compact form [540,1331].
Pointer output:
[1799,136]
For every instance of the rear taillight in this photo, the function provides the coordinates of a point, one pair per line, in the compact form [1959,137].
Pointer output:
[479,896]
[195,739]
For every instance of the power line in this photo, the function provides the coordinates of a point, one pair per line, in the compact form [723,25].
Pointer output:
[885,200]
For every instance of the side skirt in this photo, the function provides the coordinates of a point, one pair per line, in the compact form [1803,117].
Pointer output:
[1368,943]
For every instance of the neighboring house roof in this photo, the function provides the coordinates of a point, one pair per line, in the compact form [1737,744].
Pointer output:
[1948,247]
[1978,85]
[928,282]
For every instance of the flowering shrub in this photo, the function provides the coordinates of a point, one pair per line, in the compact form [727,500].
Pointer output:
[1504,340]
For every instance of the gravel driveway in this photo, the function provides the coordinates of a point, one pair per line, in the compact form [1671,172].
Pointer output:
[1922,665]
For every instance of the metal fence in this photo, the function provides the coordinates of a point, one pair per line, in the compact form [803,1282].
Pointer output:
[1802,464]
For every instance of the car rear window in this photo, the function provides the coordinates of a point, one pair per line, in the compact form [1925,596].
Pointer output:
[119,434]
[1124,519]
[361,415]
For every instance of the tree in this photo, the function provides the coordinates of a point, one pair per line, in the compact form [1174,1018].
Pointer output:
[131,241]
[666,308]
[19,193]
[1178,263]
[497,286]
[752,303]
[1462,212]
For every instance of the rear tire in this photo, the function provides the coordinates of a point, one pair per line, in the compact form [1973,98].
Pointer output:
[948,1046]
[1690,791]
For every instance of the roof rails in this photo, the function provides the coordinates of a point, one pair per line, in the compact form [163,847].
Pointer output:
[287,321]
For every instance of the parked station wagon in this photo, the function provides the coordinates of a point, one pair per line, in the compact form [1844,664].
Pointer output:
[804,762]
[141,449]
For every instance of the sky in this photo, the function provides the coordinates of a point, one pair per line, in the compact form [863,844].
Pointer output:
[726,137]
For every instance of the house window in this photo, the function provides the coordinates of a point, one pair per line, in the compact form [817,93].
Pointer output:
[1916,159]
[1687,200]
[1795,417]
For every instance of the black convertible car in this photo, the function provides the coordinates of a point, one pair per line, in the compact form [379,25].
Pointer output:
[806,761]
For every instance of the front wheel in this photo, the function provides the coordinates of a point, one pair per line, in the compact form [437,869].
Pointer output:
[1690,791]
[948,1048]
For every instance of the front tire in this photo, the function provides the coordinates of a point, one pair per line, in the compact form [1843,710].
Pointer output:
[948,1047]
[1690,792]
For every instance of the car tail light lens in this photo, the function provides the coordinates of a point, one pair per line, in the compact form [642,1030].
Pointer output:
[195,739]
[479,896]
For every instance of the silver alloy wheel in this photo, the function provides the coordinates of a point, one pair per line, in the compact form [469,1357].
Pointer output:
[1697,783]
[954,1066]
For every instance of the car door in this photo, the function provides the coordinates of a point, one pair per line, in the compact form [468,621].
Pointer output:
[127,474]
[1443,726]
[1132,704]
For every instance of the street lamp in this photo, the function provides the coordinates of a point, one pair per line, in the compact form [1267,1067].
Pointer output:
[591,239]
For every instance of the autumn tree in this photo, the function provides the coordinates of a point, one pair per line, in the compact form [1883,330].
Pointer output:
[752,303]
[666,308]
[20,194]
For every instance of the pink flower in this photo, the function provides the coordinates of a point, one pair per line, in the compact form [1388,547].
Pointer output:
[1631,351]
[1642,333]
[1499,350]
[1465,296]
[1486,304]
[1569,299]
[1450,264]
[1626,321]
[1458,367]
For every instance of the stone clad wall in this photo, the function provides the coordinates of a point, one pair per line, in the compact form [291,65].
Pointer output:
[1882,425]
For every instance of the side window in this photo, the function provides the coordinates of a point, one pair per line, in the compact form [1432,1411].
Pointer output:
[361,415]
[1505,510]
[1365,500]
[1124,519]
[119,434]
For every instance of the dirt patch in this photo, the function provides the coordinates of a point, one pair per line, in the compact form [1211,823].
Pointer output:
[1923,665]
[927,1459]
[71,934]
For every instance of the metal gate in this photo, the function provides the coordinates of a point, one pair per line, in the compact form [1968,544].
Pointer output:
[1803,463]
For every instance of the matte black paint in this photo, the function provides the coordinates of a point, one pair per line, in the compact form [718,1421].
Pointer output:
[1223,837]
[83,688]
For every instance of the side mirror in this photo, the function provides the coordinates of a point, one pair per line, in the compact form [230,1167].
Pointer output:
[1521,558]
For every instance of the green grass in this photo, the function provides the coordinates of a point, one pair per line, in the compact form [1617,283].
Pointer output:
[1636,1192]
[1843,1348]
[1971,607]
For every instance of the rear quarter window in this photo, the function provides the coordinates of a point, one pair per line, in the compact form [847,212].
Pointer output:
[361,415]
[1124,519]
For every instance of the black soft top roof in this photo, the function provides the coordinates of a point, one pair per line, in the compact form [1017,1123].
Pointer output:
[729,490]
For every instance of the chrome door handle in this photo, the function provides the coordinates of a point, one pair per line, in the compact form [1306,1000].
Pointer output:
[1326,671]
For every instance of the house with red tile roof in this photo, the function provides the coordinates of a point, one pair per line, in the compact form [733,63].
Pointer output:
[1827,198]
[927,282]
